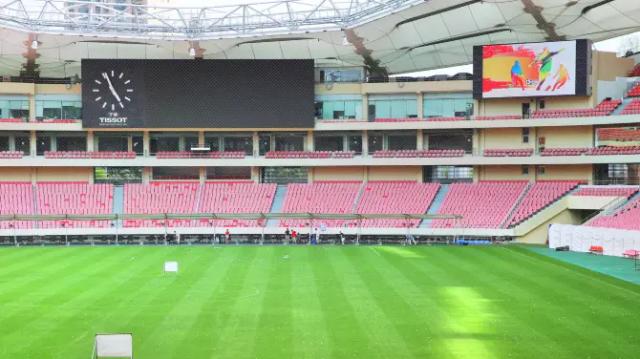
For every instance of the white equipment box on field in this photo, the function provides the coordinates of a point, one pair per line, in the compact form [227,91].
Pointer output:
[171,266]
[118,345]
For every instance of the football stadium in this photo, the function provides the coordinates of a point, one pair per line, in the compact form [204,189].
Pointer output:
[319,179]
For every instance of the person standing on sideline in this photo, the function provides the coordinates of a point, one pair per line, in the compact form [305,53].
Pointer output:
[287,235]
[227,236]
[294,236]
[341,235]
[316,235]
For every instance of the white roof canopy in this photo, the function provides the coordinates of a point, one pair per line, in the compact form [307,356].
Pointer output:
[397,35]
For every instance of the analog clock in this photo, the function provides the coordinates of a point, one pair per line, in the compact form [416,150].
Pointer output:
[112,90]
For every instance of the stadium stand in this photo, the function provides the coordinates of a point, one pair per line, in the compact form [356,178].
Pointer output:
[610,150]
[89,155]
[616,191]
[6,155]
[337,197]
[16,198]
[188,154]
[508,152]
[418,153]
[310,154]
[69,198]
[539,196]
[626,218]
[632,108]
[578,151]
[235,197]
[634,91]
[604,108]
[396,197]
[483,204]
[160,198]
[619,134]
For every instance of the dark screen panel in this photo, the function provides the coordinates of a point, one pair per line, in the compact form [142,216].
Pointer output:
[198,93]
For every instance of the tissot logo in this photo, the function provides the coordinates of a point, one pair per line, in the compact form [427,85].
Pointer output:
[113,120]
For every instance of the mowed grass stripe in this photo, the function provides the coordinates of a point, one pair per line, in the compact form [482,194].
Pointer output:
[200,325]
[84,315]
[38,314]
[310,335]
[166,315]
[346,332]
[385,311]
[230,300]
[453,335]
[538,304]
[274,335]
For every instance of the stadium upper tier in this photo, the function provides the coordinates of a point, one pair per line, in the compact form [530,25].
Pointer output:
[395,35]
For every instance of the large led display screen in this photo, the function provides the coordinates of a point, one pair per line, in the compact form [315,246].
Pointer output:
[197,93]
[540,69]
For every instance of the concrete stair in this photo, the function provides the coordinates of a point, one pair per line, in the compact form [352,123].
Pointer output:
[435,205]
[276,206]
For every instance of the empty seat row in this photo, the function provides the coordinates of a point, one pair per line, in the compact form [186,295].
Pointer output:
[484,204]
[310,154]
[617,191]
[90,154]
[623,134]
[604,108]
[11,154]
[189,154]
[634,91]
[628,217]
[632,108]
[419,153]
[508,152]
[591,151]
[539,196]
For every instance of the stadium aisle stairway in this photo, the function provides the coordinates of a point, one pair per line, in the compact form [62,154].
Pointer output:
[435,204]
[278,202]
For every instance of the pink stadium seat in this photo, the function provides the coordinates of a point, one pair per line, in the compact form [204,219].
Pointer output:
[566,151]
[604,108]
[320,197]
[615,191]
[160,198]
[634,91]
[89,154]
[309,154]
[79,198]
[395,197]
[419,153]
[7,155]
[235,197]
[188,154]
[16,198]
[508,152]
[626,218]
[540,195]
[484,204]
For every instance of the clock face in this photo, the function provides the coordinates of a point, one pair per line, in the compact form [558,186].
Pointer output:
[112,90]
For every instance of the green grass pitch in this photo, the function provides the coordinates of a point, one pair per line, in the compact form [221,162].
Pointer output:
[313,302]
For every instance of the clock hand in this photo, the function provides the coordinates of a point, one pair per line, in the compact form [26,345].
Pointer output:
[113,90]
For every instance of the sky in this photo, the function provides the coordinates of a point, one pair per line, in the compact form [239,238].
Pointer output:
[612,45]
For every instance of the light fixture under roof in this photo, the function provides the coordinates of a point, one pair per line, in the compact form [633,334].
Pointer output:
[192,51]
[34,44]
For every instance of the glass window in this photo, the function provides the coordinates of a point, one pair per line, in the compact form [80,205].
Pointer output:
[375,143]
[113,143]
[447,105]
[117,175]
[137,145]
[57,107]
[355,144]
[401,142]
[213,142]
[285,175]
[394,108]
[264,144]
[239,143]
[448,174]
[289,142]
[161,143]
[176,173]
[72,143]
[190,142]
[4,143]
[43,144]
[23,144]
[329,143]
[14,107]
[228,173]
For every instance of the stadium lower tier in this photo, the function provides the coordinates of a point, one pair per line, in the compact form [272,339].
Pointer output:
[499,205]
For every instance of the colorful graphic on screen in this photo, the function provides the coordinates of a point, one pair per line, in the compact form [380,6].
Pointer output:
[533,69]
